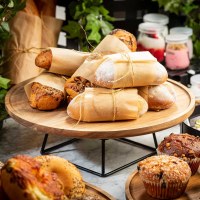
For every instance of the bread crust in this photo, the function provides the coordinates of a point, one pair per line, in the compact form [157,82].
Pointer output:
[44,59]
[44,97]
[126,37]
[67,173]
[76,85]
[22,177]
[161,96]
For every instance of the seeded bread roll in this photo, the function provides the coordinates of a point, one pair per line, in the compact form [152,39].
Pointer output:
[44,97]
[164,177]
[23,177]
[75,86]
[183,146]
[44,59]
[126,37]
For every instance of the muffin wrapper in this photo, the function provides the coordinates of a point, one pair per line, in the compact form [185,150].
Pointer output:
[167,191]
[193,163]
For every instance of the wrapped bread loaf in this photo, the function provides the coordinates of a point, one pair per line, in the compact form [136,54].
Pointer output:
[158,97]
[123,70]
[67,61]
[45,92]
[101,104]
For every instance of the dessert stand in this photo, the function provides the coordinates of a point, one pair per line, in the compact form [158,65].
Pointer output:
[135,189]
[57,122]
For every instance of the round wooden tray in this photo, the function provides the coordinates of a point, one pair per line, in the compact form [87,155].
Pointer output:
[135,189]
[57,121]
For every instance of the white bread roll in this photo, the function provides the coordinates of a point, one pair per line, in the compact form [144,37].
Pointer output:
[100,104]
[161,97]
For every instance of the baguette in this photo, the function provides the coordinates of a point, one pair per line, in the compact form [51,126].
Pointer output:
[128,42]
[100,104]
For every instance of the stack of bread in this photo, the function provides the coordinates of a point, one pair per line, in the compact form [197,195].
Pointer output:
[114,82]
[42,177]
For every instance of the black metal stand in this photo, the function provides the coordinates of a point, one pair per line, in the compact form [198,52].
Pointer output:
[103,147]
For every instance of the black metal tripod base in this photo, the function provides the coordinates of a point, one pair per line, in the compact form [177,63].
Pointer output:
[103,147]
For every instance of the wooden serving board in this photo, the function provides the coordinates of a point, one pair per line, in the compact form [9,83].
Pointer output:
[57,121]
[135,189]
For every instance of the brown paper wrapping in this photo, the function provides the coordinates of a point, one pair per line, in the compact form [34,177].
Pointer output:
[50,31]
[110,45]
[67,61]
[29,35]
[101,104]
[26,31]
[123,70]
[47,79]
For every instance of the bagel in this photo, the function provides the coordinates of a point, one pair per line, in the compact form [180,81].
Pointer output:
[23,177]
[67,173]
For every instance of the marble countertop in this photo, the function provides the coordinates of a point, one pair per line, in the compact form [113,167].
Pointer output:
[17,139]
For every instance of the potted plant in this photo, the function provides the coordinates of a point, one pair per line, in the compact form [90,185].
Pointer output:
[190,11]
[8,9]
[90,23]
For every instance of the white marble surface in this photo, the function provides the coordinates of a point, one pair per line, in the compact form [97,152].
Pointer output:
[17,139]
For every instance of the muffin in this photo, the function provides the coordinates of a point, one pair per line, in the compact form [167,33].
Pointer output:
[184,146]
[164,177]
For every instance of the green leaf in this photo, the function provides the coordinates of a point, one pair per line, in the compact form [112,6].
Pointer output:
[94,36]
[4,83]
[73,29]
[197,48]
[106,27]
[2,95]
[92,23]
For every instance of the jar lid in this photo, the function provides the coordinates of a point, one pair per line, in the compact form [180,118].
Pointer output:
[156,18]
[176,38]
[150,28]
[181,30]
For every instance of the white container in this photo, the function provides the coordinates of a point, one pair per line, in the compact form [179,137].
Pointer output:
[186,31]
[176,52]
[158,19]
[195,85]
[151,39]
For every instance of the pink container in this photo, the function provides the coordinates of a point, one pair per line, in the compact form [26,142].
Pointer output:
[177,54]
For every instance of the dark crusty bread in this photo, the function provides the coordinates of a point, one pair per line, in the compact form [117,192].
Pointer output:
[44,97]
[126,37]
[76,85]
[44,59]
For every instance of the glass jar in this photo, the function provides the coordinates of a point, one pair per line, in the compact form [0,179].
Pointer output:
[150,38]
[158,19]
[185,31]
[195,85]
[176,53]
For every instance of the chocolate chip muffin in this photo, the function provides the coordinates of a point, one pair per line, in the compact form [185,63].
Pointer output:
[164,177]
[184,146]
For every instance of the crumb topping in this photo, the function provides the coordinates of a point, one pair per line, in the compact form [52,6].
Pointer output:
[164,169]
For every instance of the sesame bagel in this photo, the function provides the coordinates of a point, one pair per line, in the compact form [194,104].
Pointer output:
[67,173]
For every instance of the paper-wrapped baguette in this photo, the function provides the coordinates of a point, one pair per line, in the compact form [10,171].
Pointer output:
[158,97]
[66,61]
[123,70]
[45,92]
[101,104]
